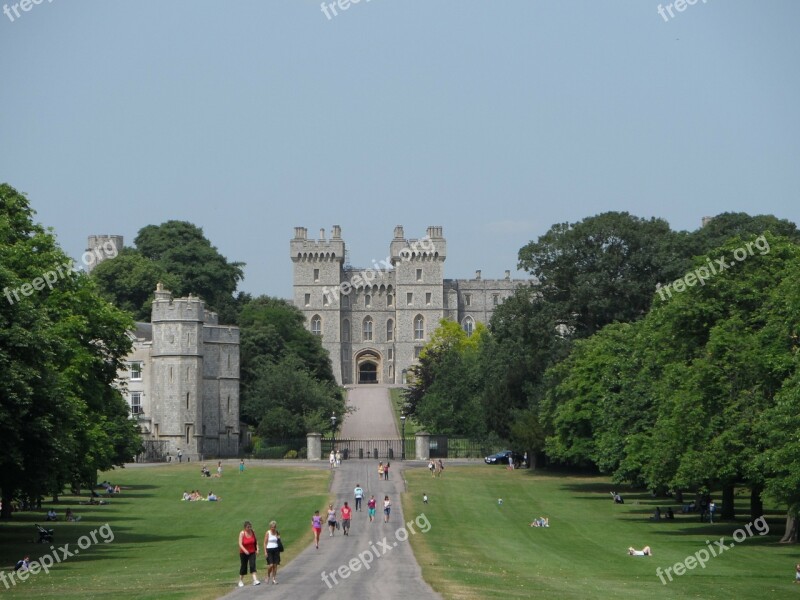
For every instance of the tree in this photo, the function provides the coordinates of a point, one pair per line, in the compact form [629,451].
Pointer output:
[61,346]
[603,269]
[177,254]
[287,382]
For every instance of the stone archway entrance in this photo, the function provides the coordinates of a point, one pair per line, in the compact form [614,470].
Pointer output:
[368,367]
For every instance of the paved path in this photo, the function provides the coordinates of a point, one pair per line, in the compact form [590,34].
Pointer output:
[383,547]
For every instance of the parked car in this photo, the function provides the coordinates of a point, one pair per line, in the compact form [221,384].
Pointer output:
[502,458]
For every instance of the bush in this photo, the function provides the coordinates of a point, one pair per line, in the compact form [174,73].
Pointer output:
[291,454]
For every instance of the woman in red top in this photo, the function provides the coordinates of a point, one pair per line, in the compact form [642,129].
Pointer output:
[346,513]
[248,550]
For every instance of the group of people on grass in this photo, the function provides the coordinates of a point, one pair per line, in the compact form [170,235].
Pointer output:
[195,496]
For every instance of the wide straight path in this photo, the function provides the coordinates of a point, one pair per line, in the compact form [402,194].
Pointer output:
[375,560]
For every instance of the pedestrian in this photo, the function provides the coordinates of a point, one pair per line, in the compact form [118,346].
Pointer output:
[316,526]
[219,469]
[241,466]
[432,468]
[424,498]
[332,459]
[272,550]
[371,508]
[346,513]
[248,551]
[440,468]
[359,495]
[386,471]
[338,458]
[380,471]
[387,509]
[180,455]
[332,525]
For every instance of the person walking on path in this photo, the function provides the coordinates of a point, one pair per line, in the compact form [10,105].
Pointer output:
[316,527]
[380,470]
[387,509]
[248,551]
[331,519]
[332,459]
[346,513]
[371,503]
[359,495]
[272,551]
[386,471]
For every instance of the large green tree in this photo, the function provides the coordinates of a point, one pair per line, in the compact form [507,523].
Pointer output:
[61,346]
[178,254]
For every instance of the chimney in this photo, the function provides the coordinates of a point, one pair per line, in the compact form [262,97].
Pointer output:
[322,233]
[478,274]
[508,275]
[336,232]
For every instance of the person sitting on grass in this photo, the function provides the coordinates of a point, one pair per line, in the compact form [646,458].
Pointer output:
[212,497]
[541,522]
[646,551]
[797,573]
[186,496]
[51,515]
[70,516]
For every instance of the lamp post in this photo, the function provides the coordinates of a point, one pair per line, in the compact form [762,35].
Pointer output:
[333,432]
[403,436]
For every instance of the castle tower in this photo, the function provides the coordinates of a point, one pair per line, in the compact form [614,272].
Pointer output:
[318,274]
[100,248]
[177,372]
[419,274]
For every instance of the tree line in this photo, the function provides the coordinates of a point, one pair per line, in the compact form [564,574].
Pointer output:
[666,359]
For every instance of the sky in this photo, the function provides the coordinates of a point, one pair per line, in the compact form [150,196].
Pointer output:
[494,120]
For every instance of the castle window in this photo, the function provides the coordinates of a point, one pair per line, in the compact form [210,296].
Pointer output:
[419,274]
[316,325]
[346,330]
[136,403]
[367,331]
[419,327]
[409,298]
[417,351]
[170,374]
[390,354]
[187,404]
[495,299]
[467,299]
[428,296]
[367,300]
[345,300]
[469,325]
[389,300]
[136,371]
[229,405]
[307,299]
[325,300]
[188,434]
[389,330]
[316,275]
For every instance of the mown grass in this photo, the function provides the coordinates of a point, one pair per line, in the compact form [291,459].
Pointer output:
[163,547]
[478,549]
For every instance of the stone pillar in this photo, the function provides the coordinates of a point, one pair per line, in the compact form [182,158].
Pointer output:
[423,445]
[314,446]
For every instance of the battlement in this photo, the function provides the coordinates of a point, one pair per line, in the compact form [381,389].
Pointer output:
[167,308]
[304,249]
[432,246]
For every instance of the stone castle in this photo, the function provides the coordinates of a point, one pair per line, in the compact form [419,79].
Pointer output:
[374,321]
[182,381]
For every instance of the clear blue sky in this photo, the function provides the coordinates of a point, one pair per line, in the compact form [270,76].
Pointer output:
[492,119]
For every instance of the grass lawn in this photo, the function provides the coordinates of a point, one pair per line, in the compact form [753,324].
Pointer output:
[163,547]
[479,549]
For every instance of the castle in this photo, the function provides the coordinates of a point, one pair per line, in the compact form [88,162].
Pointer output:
[375,321]
[182,380]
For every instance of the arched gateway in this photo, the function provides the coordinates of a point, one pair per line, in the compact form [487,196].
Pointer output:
[368,367]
